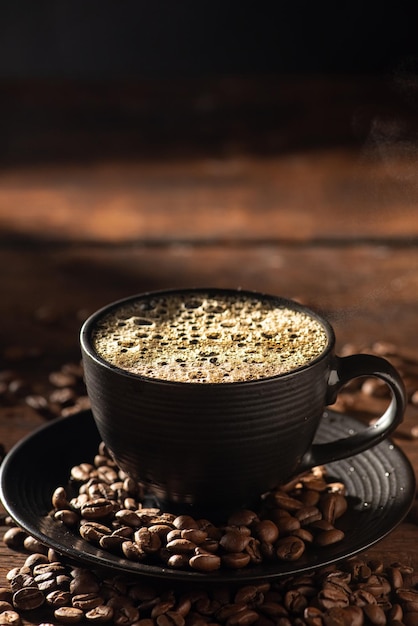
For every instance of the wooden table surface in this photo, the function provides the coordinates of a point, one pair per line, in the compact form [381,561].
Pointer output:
[300,186]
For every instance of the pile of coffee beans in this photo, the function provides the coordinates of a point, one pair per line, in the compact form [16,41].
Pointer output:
[105,507]
[354,593]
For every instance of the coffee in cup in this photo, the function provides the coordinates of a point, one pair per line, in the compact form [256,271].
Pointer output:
[199,338]
[212,397]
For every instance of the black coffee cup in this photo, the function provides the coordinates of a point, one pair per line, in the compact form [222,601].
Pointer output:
[221,445]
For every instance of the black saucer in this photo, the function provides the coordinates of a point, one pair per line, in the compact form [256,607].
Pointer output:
[380,484]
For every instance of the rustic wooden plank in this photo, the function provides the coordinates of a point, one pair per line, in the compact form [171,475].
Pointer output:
[279,158]
[309,195]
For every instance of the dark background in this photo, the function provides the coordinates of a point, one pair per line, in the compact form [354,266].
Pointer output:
[165,38]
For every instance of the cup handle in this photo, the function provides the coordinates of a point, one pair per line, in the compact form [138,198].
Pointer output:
[345,369]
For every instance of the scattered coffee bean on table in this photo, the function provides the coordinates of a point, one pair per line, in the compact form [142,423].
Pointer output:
[354,593]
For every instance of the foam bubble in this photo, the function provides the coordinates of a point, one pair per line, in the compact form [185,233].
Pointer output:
[208,338]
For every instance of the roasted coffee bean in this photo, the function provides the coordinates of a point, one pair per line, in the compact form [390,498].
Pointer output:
[268,551]
[329,537]
[128,518]
[307,515]
[235,560]
[178,561]
[313,481]
[287,524]
[361,571]
[48,568]
[82,472]
[332,506]
[68,615]
[28,598]
[112,543]
[206,562]
[209,545]
[171,618]
[86,601]
[286,502]
[84,581]
[253,549]
[272,609]
[332,596]
[98,490]
[342,616]
[67,517]
[10,618]
[243,517]
[304,534]
[93,531]
[107,474]
[162,607]
[58,598]
[194,535]
[408,598]
[162,531]
[181,546]
[395,577]
[361,597]
[395,613]
[251,595]
[377,585]
[35,559]
[22,579]
[266,530]
[150,543]
[310,497]
[11,574]
[34,545]
[234,541]
[375,614]
[245,617]
[184,522]
[101,614]
[295,602]
[290,548]
[123,612]
[14,538]
[97,509]
[133,551]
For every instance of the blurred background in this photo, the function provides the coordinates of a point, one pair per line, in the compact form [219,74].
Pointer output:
[145,145]
[109,39]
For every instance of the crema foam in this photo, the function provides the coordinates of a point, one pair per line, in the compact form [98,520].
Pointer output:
[205,338]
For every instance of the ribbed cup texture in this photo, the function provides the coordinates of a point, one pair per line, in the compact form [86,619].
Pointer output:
[208,445]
